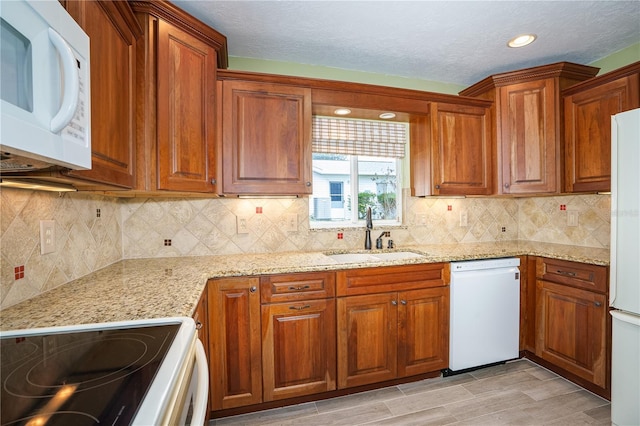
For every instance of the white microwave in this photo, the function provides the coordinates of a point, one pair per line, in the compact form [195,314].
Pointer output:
[45,88]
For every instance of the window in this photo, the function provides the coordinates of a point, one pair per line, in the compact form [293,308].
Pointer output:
[356,164]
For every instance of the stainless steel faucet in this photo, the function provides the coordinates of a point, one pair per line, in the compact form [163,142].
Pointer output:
[367,235]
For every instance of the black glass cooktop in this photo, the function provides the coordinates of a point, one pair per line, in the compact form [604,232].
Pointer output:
[80,378]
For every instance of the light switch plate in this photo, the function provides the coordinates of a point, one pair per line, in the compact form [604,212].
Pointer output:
[572,218]
[47,236]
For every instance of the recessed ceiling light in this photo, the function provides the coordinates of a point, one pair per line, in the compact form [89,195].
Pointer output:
[387,115]
[521,40]
[342,111]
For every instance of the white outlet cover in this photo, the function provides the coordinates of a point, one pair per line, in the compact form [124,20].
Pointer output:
[242,224]
[291,222]
[47,236]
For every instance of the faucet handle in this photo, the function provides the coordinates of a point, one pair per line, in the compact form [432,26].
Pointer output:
[390,244]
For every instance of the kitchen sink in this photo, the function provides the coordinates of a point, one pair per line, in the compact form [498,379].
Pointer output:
[372,257]
[397,255]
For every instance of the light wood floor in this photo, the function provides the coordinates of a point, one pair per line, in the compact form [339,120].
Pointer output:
[516,393]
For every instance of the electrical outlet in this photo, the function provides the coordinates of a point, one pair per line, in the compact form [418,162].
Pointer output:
[47,236]
[572,218]
[291,222]
[421,219]
[242,224]
[463,218]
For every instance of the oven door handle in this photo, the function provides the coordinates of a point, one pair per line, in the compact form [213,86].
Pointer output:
[202,391]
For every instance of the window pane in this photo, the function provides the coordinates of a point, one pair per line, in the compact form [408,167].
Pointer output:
[377,187]
[331,188]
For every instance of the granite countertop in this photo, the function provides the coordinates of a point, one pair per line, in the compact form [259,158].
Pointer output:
[168,287]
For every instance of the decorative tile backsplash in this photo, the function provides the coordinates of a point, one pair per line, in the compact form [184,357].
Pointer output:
[84,242]
[94,231]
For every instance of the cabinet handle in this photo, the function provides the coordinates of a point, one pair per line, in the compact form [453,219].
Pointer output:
[394,302]
[253,289]
[301,287]
[198,325]
[213,182]
[567,273]
[299,308]
[403,302]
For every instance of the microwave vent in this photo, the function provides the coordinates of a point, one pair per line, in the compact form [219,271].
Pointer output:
[10,162]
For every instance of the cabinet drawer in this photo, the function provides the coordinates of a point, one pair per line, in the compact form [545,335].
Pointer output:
[575,274]
[300,286]
[391,278]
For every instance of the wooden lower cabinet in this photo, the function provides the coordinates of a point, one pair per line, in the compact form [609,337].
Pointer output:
[391,335]
[298,348]
[572,319]
[571,334]
[287,336]
[367,339]
[298,334]
[234,342]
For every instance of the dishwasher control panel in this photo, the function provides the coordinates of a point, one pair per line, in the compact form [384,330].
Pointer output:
[475,265]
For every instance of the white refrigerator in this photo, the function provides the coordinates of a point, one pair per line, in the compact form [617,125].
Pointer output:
[624,296]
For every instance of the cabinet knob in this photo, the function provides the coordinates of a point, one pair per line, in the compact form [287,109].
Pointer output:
[253,289]
[198,325]
[506,185]
[308,183]
[394,302]
[403,302]
[213,181]
[437,186]
[597,304]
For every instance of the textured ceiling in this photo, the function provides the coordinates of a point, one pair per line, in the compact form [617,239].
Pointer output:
[458,42]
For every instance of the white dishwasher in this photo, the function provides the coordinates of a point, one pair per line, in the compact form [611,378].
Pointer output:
[484,313]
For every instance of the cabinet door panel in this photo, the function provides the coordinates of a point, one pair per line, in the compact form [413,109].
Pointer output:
[423,341]
[298,349]
[113,30]
[234,320]
[266,138]
[588,132]
[367,339]
[462,151]
[571,330]
[186,111]
[528,137]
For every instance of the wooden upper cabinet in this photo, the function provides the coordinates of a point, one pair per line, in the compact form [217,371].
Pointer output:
[529,132]
[528,115]
[588,108]
[176,143]
[113,31]
[186,111]
[461,150]
[266,140]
